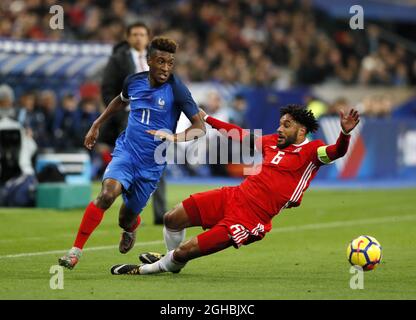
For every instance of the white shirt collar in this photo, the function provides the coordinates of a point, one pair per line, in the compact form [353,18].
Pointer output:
[139,59]
[140,53]
[301,144]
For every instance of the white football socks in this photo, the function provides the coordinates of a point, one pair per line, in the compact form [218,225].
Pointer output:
[166,264]
[173,238]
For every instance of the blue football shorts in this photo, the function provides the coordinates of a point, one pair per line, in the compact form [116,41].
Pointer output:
[138,186]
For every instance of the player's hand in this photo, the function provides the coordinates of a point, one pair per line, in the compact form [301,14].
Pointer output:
[202,113]
[349,121]
[162,135]
[91,137]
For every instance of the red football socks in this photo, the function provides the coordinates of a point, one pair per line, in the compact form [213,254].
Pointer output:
[92,218]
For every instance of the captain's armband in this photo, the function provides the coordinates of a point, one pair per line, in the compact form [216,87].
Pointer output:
[322,155]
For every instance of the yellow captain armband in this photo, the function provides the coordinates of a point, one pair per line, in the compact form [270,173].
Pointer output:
[323,156]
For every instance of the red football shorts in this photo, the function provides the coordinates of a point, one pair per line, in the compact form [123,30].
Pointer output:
[227,208]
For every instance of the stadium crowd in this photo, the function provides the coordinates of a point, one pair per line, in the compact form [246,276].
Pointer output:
[254,42]
[58,124]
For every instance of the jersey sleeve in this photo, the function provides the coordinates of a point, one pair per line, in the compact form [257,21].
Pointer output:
[328,153]
[183,98]
[124,95]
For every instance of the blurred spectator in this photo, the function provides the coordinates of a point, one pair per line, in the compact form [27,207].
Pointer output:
[374,70]
[339,104]
[237,112]
[217,145]
[85,116]
[400,76]
[379,106]
[6,102]
[237,116]
[214,105]
[26,109]
[16,146]
[46,107]
[120,10]
[90,90]
[65,123]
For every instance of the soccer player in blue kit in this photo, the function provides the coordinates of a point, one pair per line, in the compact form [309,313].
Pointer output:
[156,99]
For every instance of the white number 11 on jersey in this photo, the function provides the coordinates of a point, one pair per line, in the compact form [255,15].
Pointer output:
[278,157]
[146,119]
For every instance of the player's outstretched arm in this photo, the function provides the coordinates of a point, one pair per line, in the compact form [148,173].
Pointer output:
[115,106]
[335,151]
[195,131]
[232,131]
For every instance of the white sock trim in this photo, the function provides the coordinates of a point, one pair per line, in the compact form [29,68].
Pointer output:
[173,230]
[173,238]
[170,264]
[166,264]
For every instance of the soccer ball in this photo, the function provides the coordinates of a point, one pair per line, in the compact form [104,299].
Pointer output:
[364,251]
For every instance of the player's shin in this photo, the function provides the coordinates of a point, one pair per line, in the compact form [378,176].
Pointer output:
[173,238]
[166,264]
[91,219]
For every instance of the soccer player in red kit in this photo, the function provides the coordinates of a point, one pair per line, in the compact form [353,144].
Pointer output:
[242,214]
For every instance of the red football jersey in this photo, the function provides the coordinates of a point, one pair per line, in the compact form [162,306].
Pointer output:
[284,175]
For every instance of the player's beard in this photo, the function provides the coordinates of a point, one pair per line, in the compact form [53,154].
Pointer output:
[288,141]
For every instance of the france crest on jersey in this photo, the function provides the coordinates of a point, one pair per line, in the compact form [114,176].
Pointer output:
[151,108]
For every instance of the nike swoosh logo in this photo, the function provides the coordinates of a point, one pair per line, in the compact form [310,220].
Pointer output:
[117,269]
[132,98]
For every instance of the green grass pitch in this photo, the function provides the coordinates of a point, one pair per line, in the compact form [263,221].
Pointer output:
[304,257]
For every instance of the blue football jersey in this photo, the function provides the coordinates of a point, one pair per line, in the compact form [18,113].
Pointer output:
[151,108]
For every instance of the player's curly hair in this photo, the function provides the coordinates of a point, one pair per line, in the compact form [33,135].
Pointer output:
[301,115]
[162,44]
